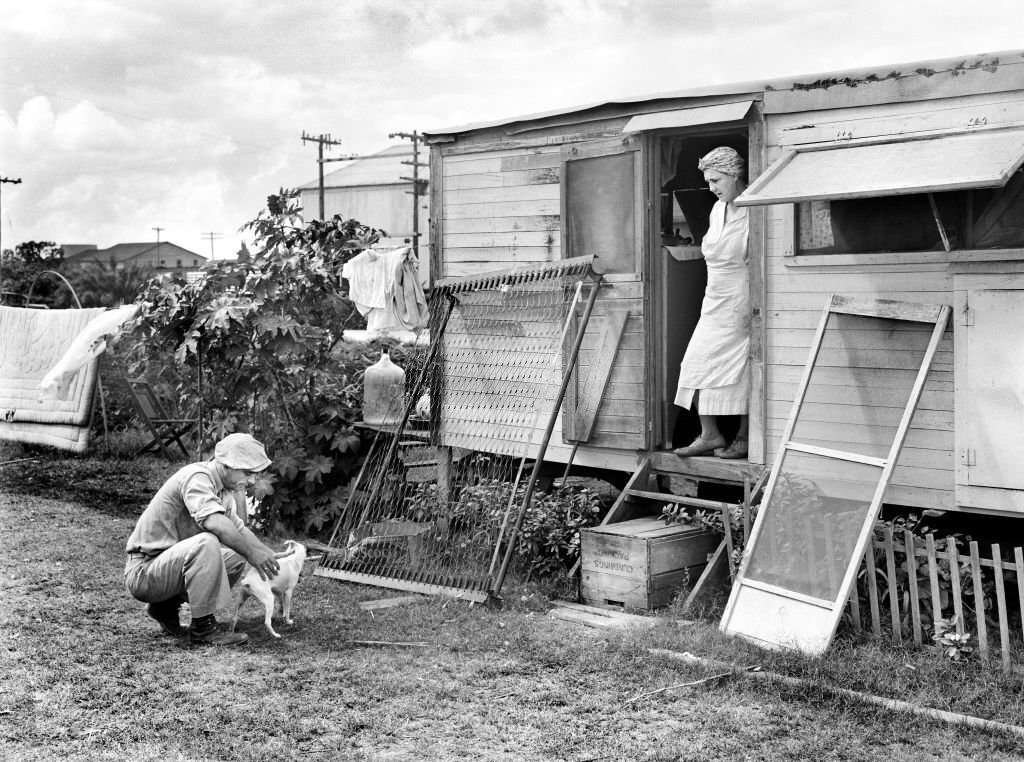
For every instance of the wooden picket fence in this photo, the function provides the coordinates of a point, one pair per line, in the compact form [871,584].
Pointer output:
[895,597]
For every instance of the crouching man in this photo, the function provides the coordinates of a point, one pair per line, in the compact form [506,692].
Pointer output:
[191,544]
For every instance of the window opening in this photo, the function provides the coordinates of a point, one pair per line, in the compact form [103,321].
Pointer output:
[600,218]
[952,220]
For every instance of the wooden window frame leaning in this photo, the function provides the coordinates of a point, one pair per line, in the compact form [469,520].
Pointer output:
[819,618]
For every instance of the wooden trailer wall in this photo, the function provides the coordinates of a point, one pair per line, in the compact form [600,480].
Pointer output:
[837,112]
[496,204]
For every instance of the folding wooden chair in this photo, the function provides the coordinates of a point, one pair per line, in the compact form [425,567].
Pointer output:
[164,429]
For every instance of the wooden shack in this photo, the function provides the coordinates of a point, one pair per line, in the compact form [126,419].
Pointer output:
[902,182]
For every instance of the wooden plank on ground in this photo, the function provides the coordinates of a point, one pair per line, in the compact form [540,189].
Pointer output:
[386,603]
[612,613]
[588,619]
[594,616]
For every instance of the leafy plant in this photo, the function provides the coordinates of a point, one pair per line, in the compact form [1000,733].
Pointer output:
[917,568]
[258,343]
[673,513]
[954,644]
[549,537]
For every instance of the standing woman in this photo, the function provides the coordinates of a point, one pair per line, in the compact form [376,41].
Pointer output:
[714,376]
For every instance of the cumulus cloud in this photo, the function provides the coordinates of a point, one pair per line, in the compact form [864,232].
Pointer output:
[122,115]
[85,128]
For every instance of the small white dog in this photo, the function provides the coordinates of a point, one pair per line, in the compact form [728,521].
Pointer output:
[280,587]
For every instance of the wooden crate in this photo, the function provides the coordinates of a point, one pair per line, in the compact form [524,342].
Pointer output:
[641,563]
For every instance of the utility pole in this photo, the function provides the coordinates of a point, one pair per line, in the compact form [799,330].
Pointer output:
[159,262]
[212,237]
[321,140]
[12,181]
[419,184]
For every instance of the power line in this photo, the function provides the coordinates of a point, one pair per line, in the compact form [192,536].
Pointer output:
[212,237]
[321,140]
[12,181]
[158,260]
[419,185]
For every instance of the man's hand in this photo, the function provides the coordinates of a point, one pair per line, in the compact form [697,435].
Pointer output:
[244,542]
[262,560]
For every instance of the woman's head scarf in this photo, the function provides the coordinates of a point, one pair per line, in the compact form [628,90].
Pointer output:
[725,160]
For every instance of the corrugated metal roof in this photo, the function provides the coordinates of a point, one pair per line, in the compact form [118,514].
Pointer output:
[380,168]
[796,82]
[123,252]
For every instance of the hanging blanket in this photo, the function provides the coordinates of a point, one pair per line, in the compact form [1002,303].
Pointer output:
[71,438]
[32,342]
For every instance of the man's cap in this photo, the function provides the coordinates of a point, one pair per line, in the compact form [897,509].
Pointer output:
[241,451]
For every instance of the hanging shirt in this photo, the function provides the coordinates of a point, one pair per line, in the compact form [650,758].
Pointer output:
[181,506]
[385,288]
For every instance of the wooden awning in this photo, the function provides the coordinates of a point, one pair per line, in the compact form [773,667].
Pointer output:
[689,117]
[984,159]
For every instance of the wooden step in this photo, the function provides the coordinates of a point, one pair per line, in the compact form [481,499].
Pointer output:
[668,497]
[708,469]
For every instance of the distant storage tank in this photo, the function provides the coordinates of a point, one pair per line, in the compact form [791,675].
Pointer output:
[383,392]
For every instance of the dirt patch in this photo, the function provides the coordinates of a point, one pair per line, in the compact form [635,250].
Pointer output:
[111,487]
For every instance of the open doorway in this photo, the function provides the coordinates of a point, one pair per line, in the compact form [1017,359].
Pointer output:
[684,209]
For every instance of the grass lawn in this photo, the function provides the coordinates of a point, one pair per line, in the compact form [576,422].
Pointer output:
[89,677]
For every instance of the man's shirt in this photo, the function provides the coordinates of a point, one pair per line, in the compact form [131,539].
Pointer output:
[181,506]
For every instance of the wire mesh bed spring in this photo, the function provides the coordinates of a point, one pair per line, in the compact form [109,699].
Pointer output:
[434,500]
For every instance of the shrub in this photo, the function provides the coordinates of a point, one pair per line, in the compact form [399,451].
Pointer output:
[258,343]
[549,537]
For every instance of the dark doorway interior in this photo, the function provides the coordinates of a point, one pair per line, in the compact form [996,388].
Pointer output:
[685,206]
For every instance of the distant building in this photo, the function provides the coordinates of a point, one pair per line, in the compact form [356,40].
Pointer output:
[161,257]
[371,189]
[71,250]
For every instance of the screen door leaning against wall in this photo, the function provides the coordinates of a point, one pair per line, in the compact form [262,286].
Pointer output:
[860,387]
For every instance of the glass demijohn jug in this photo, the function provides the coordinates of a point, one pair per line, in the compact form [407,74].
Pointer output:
[383,392]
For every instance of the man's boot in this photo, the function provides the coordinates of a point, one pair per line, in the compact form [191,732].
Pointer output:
[166,613]
[204,630]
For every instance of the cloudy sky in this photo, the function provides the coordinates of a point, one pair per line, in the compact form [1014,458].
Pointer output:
[120,116]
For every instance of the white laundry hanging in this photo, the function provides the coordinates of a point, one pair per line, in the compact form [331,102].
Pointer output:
[90,343]
[385,289]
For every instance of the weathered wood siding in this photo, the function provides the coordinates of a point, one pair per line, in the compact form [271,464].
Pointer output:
[796,293]
[620,420]
[498,206]
[500,209]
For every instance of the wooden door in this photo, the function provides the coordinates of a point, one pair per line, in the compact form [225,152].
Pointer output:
[990,390]
[607,404]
